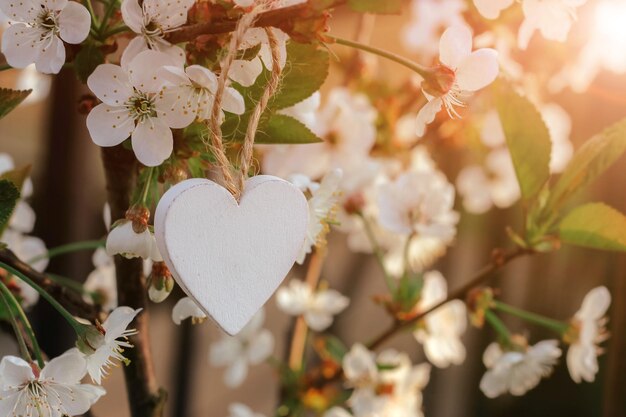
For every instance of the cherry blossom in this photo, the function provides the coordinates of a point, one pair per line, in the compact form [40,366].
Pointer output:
[317,307]
[245,72]
[321,204]
[101,280]
[443,328]
[495,184]
[54,391]
[384,385]
[187,308]
[589,331]
[553,18]
[427,210]
[151,20]
[188,93]
[346,122]
[464,70]
[251,346]
[517,371]
[31,249]
[125,241]
[491,8]
[428,19]
[103,352]
[130,107]
[39,28]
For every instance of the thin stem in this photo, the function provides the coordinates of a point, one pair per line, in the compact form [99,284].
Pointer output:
[66,314]
[380,256]
[558,326]
[498,326]
[94,21]
[146,186]
[16,328]
[415,67]
[405,252]
[107,14]
[115,31]
[10,298]
[298,342]
[68,248]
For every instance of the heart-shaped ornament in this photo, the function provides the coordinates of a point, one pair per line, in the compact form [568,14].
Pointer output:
[230,257]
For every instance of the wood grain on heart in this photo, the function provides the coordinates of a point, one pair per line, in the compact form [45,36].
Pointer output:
[231,257]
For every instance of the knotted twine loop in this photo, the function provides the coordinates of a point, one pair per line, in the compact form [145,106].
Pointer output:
[234,180]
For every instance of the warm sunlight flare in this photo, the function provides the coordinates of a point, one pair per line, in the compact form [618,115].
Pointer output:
[609,24]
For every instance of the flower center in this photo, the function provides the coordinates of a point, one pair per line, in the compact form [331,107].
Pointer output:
[47,21]
[141,106]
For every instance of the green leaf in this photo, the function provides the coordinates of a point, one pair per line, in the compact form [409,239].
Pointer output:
[376,6]
[281,129]
[527,137]
[331,347]
[409,290]
[589,162]
[17,176]
[9,194]
[595,225]
[9,99]
[304,73]
[86,61]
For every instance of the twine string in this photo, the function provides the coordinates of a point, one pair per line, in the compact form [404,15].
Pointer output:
[234,180]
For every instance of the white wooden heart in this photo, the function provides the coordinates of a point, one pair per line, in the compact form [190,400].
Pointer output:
[230,257]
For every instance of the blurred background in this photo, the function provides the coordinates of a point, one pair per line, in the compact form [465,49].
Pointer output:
[49,133]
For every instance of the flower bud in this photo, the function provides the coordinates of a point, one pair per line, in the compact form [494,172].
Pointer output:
[139,216]
[90,338]
[160,282]
[439,82]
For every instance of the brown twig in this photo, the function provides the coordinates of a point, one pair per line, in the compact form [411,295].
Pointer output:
[70,300]
[298,341]
[499,260]
[145,397]
[272,18]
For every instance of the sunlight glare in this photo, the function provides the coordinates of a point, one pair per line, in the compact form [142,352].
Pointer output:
[610,18]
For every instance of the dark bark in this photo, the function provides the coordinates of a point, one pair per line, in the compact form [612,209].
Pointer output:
[145,397]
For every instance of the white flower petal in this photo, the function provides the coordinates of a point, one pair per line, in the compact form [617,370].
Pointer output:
[152,141]
[202,76]
[21,45]
[245,72]
[69,368]
[177,106]
[14,372]
[260,347]
[595,304]
[236,373]
[109,125]
[136,46]
[117,322]
[74,23]
[478,70]
[132,15]
[233,102]
[52,57]
[110,84]
[427,115]
[186,308]
[123,240]
[491,8]
[20,10]
[455,45]
[143,70]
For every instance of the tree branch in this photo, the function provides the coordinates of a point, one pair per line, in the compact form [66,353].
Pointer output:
[281,18]
[499,260]
[69,299]
[145,397]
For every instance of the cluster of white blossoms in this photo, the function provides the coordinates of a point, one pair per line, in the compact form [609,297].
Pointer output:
[518,368]
[553,18]
[251,346]
[56,389]
[318,307]
[38,29]
[387,384]
[29,248]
